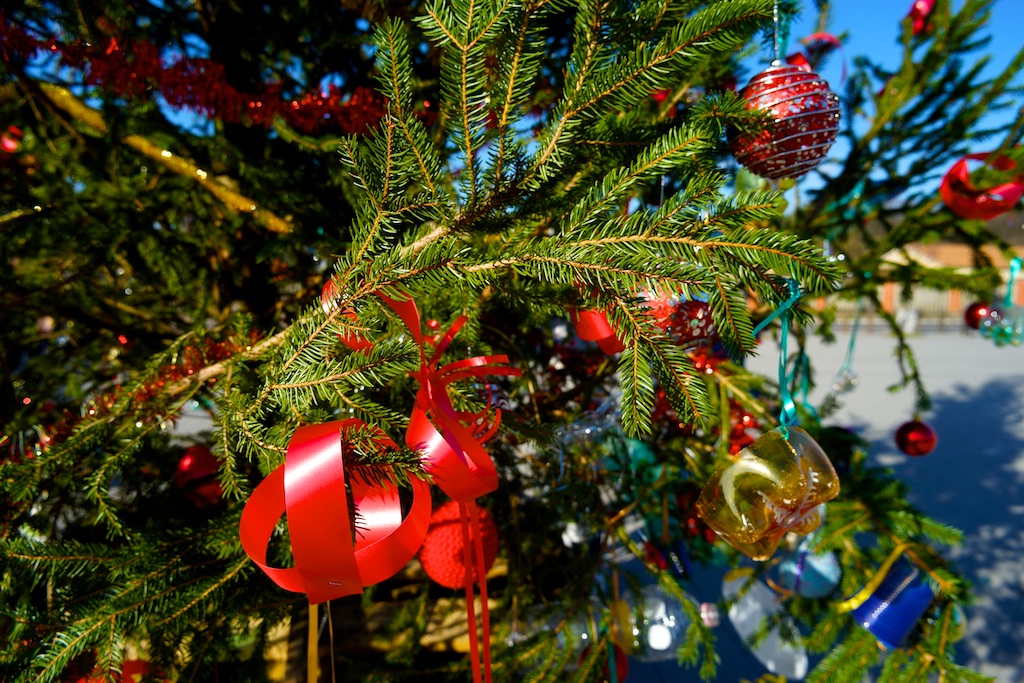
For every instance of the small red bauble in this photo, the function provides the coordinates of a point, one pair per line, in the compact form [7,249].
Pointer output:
[916,438]
[442,552]
[974,314]
[805,122]
[197,476]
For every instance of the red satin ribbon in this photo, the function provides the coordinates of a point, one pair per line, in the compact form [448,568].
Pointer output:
[454,455]
[593,326]
[967,201]
[310,487]
[451,444]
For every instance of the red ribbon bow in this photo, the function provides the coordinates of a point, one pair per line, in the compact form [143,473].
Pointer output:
[967,201]
[453,454]
[310,487]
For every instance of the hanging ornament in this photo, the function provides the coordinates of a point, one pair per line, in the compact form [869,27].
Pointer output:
[443,551]
[806,573]
[311,487]
[197,476]
[686,321]
[975,313]
[916,438]
[745,428]
[658,624]
[10,141]
[892,602]
[805,122]
[772,487]
[918,15]
[1004,323]
[969,202]
[754,607]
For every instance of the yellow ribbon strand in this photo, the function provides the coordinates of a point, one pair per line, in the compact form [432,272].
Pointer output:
[312,647]
[861,597]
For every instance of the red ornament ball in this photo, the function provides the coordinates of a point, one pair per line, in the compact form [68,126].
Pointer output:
[686,321]
[805,122]
[197,476]
[975,313]
[442,552]
[916,438]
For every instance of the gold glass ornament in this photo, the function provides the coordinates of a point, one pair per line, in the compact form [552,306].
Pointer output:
[773,486]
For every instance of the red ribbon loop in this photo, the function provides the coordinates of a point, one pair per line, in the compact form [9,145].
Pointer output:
[967,201]
[310,487]
[451,441]
[593,326]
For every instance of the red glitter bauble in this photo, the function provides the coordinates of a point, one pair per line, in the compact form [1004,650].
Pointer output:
[805,122]
[974,314]
[197,476]
[916,438]
[442,552]
[686,321]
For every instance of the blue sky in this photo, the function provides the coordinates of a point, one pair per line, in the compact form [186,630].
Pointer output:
[874,29]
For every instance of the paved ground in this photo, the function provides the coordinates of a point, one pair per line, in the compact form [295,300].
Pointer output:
[973,480]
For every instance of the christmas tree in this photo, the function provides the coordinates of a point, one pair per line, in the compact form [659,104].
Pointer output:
[499,253]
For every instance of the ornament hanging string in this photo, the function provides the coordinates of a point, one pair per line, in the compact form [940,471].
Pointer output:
[313,645]
[848,362]
[1015,265]
[775,28]
[802,372]
[780,34]
[787,412]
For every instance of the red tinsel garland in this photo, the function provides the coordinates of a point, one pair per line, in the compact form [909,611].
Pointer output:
[138,70]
